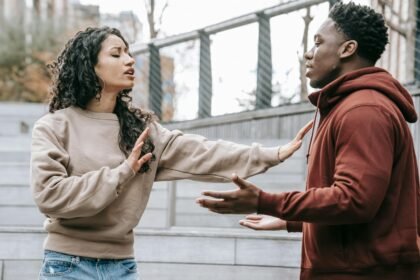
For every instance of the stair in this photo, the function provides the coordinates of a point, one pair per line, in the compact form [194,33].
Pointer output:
[178,253]
[175,239]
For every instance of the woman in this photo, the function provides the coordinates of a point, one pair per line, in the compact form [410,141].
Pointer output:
[94,160]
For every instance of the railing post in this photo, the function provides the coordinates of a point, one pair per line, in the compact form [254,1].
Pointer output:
[264,68]
[332,2]
[205,90]
[155,81]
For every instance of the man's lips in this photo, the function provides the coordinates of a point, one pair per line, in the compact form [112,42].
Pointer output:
[308,70]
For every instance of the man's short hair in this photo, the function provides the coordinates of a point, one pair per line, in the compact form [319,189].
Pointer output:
[364,25]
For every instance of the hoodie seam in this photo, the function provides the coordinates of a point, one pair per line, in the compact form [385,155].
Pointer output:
[379,107]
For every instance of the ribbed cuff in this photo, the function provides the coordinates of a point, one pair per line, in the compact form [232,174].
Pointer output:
[125,173]
[267,203]
[271,155]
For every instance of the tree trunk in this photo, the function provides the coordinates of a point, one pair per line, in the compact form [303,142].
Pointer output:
[303,84]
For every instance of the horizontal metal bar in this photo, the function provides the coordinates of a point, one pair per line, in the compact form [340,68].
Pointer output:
[284,8]
[137,49]
[232,23]
[291,6]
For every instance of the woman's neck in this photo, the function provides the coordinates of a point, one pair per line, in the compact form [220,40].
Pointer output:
[106,104]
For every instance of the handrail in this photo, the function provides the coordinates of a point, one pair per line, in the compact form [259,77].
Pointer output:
[276,10]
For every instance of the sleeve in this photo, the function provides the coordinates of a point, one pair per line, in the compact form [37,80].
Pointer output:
[188,156]
[59,195]
[363,162]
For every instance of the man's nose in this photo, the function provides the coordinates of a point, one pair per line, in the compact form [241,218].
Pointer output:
[309,54]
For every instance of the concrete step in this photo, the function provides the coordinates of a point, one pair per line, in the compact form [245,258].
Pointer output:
[188,253]
[33,110]
[167,206]
[14,155]
[12,143]
[17,119]
[170,203]
[14,126]
[14,173]
[13,270]
[30,216]
[17,207]
[188,214]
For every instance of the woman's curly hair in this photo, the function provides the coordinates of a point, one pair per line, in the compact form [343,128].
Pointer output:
[364,25]
[75,83]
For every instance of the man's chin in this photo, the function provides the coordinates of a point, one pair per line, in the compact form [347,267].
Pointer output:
[315,84]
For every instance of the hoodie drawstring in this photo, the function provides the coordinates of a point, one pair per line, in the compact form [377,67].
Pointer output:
[313,129]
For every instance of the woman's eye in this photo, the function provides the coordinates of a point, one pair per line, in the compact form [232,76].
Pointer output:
[115,55]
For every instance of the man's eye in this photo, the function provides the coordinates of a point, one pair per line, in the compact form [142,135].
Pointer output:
[115,55]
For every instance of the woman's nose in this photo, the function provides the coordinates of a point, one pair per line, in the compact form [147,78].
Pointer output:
[129,60]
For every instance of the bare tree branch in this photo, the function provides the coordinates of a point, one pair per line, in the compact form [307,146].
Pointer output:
[162,12]
[303,87]
[151,19]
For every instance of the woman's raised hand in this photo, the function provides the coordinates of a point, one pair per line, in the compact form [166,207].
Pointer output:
[134,159]
[287,150]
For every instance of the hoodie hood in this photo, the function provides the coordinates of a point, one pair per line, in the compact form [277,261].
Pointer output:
[373,78]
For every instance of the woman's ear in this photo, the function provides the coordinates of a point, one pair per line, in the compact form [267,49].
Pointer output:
[348,48]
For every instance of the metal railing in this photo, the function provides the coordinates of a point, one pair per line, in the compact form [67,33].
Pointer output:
[264,88]
[261,94]
[400,17]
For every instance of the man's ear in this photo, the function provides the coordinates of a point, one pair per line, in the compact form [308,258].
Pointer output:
[348,48]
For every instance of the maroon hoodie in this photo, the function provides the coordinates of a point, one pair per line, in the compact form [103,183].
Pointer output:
[360,213]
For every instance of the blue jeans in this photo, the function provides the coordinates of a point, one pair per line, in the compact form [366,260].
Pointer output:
[59,266]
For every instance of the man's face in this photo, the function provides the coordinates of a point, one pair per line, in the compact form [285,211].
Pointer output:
[323,62]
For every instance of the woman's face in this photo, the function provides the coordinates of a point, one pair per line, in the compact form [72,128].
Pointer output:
[115,66]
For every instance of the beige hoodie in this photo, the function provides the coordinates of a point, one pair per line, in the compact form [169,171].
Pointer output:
[82,182]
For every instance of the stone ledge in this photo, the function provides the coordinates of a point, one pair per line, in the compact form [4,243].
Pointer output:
[187,232]
[186,246]
[24,270]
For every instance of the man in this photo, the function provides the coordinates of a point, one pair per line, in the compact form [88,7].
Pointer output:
[360,213]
